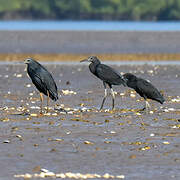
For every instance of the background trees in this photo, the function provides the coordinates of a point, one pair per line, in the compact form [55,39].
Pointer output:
[91,9]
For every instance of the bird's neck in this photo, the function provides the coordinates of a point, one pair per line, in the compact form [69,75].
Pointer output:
[132,84]
[93,66]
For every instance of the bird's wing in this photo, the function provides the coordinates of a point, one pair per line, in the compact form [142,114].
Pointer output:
[147,89]
[48,83]
[43,81]
[38,81]
[109,74]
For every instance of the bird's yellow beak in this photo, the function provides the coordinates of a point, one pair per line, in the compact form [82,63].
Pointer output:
[84,60]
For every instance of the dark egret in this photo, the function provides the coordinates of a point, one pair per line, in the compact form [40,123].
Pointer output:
[144,88]
[108,75]
[42,79]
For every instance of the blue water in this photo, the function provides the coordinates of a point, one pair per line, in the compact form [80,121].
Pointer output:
[90,25]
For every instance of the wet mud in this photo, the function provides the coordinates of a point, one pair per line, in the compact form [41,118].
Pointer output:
[89,42]
[76,137]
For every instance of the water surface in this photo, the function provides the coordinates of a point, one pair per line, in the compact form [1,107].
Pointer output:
[90,25]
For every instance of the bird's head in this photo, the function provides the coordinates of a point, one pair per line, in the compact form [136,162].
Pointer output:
[92,59]
[28,60]
[130,77]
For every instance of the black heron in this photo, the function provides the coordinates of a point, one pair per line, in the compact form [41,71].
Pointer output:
[42,79]
[108,75]
[144,88]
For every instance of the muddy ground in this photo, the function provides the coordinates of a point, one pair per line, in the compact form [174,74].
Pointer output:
[91,42]
[139,146]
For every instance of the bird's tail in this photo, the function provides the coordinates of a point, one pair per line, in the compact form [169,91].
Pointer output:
[54,96]
[161,100]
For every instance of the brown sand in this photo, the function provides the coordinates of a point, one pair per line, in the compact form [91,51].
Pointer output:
[78,57]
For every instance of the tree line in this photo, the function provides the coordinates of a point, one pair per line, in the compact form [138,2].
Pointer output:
[152,10]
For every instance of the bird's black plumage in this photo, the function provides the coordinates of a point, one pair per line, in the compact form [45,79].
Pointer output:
[42,79]
[107,74]
[144,88]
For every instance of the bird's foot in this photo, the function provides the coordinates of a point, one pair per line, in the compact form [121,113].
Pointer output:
[107,110]
[143,109]
[113,109]
[101,108]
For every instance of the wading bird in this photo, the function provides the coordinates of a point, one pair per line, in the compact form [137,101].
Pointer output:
[144,88]
[42,79]
[108,75]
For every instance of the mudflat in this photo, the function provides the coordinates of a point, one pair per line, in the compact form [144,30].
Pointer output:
[82,42]
[77,137]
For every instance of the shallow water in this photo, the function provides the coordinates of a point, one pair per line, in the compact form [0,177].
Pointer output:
[139,146]
[90,25]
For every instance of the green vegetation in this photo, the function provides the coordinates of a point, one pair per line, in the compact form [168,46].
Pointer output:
[91,9]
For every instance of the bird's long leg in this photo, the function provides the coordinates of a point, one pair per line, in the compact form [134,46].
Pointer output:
[47,101]
[144,108]
[41,98]
[147,105]
[105,95]
[113,97]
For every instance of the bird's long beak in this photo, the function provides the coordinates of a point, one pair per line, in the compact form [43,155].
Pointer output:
[84,60]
